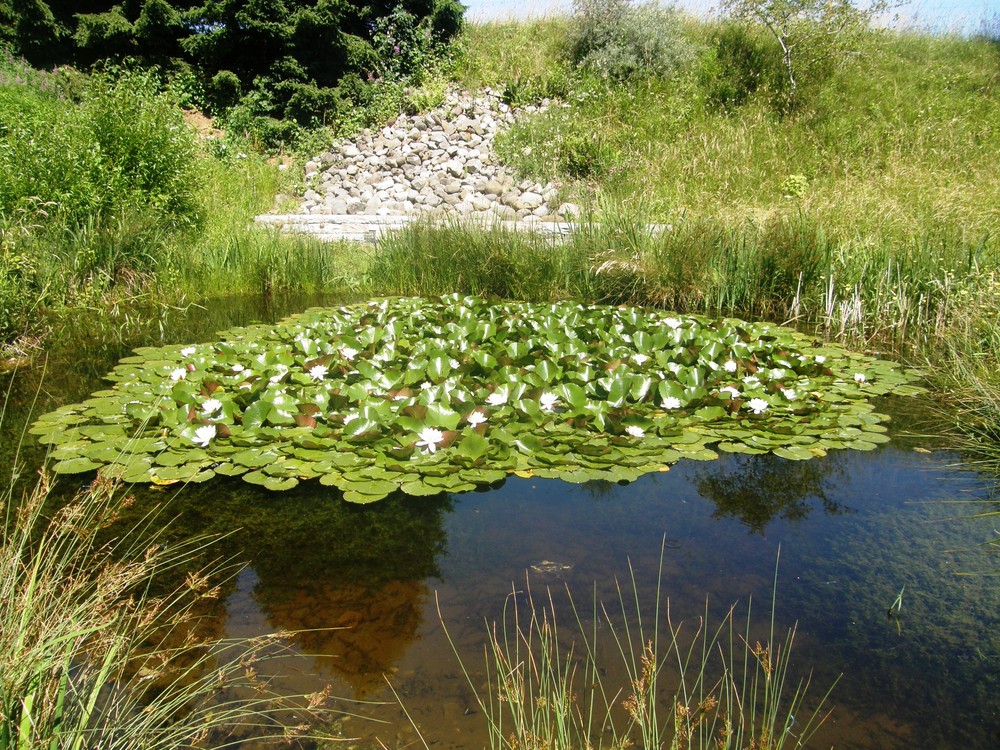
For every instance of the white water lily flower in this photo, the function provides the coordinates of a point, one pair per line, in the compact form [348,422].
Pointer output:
[203,435]
[789,393]
[426,385]
[733,392]
[730,365]
[477,418]
[820,359]
[351,416]
[454,364]
[498,397]
[757,405]
[777,373]
[187,351]
[318,372]
[859,378]
[671,402]
[674,367]
[429,439]
[211,406]
[674,323]
[348,353]
[179,374]
[548,401]
[640,359]
[238,367]
[751,381]
[635,431]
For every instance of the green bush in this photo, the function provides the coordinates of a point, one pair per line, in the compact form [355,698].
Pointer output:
[147,153]
[744,62]
[619,40]
[122,148]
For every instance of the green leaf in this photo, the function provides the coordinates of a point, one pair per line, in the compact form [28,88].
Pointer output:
[472,446]
[75,466]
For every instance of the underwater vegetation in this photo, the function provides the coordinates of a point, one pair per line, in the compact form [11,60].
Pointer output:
[430,395]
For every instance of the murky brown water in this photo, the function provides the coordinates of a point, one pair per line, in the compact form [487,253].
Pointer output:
[365,585]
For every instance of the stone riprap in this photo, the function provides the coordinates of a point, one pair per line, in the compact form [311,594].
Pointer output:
[439,164]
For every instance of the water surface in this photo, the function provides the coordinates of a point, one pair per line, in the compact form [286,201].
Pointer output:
[365,583]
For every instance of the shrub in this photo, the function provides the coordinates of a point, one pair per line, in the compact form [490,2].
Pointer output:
[619,40]
[147,153]
[744,62]
[223,91]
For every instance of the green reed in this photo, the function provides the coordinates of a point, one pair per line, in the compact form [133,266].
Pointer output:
[686,685]
[96,650]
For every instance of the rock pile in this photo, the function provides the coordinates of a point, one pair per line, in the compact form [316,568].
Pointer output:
[440,163]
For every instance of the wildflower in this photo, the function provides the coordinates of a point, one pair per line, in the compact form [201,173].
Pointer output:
[548,401]
[179,374]
[476,418]
[211,406]
[859,378]
[733,392]
[348,353]
[318,372]
[187,351]
[671,402]
[635,431]
[751,381]
[757,405]
[498,397]
[730,365]
[203,435]
[789,393]
[426,385]
[820,359]
[430,439]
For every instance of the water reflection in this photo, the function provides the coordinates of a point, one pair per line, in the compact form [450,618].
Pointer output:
[756,490]
[352,580]
[360,583]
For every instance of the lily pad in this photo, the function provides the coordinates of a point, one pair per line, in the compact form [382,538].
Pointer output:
[445,394]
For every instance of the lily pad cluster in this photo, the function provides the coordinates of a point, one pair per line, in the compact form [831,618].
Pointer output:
[447,394]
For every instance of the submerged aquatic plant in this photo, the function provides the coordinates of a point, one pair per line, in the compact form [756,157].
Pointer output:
[444,394]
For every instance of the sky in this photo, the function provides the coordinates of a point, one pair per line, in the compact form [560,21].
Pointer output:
[946,15]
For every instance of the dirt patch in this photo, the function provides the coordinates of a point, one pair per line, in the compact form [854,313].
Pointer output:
[203,125]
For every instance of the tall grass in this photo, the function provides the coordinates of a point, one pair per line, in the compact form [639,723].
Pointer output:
[685,685]
[97,651]
[787,268]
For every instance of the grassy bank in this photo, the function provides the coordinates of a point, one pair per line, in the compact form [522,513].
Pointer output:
[108,198]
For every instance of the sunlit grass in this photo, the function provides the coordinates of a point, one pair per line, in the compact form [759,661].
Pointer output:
[697,684]
[98,649]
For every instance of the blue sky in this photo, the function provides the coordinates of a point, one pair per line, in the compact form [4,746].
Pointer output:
[955,15]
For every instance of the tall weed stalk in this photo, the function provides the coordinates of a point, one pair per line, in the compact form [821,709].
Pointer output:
[687,685]
[93,655]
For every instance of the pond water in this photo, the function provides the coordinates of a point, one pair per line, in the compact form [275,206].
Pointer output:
[375,588]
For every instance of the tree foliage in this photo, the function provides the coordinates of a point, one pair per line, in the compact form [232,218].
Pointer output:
[813,34]
[293,53]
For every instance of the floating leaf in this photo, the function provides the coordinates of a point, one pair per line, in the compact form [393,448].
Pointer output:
[564,389]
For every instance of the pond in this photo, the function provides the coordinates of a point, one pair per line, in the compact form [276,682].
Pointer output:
[377,589]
